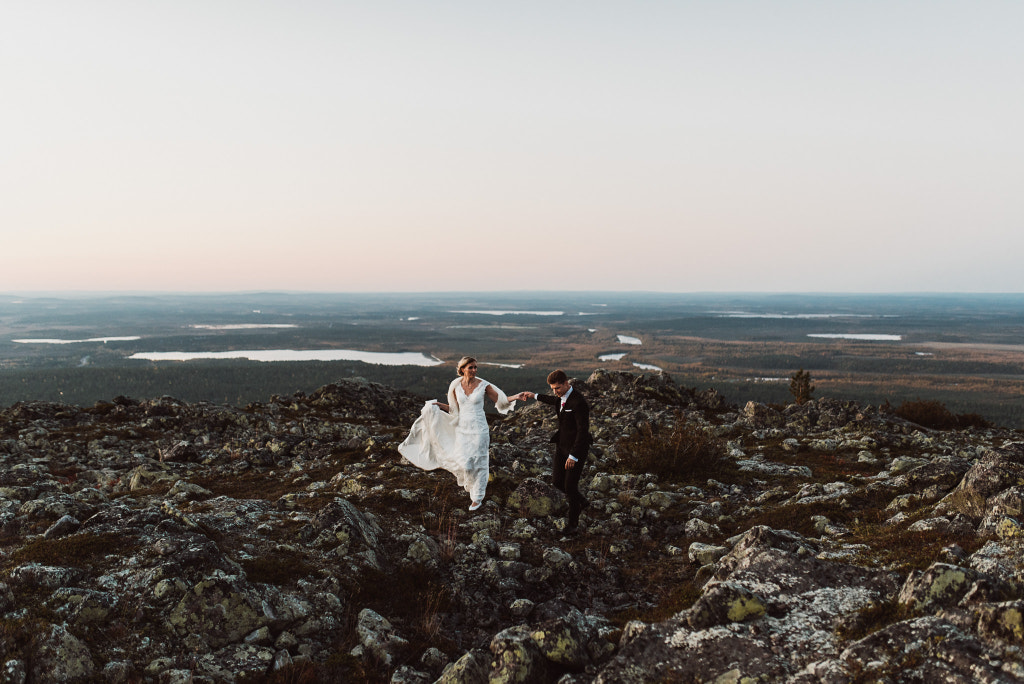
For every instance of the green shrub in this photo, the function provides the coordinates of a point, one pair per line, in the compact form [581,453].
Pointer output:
[800,386]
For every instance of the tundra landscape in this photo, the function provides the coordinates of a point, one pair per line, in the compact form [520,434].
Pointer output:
[163,521]
[965,351]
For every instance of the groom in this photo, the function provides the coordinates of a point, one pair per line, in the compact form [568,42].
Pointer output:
[572,442]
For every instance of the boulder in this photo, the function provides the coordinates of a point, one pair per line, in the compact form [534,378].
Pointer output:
[534,498]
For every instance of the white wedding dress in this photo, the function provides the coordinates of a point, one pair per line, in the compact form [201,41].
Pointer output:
[457,441]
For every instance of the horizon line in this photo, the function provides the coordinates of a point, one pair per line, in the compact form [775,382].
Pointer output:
[265,292]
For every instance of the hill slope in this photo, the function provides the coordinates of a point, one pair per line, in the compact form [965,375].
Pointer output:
[166,541]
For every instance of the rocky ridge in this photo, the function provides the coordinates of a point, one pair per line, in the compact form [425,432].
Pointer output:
[159,541]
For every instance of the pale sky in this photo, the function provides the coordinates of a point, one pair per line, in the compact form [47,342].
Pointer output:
[226,145]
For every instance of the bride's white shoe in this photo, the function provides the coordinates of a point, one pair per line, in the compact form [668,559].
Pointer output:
[475,505]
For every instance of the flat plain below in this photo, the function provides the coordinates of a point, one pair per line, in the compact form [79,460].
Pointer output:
[962,350]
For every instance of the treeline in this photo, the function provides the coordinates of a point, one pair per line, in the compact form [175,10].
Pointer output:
[235,382]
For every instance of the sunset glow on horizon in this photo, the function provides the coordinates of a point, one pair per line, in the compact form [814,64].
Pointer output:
[399,146]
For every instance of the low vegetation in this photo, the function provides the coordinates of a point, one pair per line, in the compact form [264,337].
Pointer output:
[77,551]
[934,414]
[680,453]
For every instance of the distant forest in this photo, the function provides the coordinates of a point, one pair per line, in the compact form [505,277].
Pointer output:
[234,382]
[240,382]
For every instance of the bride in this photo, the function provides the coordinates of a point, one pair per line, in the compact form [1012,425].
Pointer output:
[454,436]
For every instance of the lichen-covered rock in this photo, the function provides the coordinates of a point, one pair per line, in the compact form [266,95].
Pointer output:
[253,535]
[1002,621]
[344,523]
[759,416]
[518,658]
[722,603]
[471,668]
[534,498]
[218,611]
[941,584]
[998,470]
[13,671]
[60,657]
[705,554]
[927,649]
[562,643]
[378,638]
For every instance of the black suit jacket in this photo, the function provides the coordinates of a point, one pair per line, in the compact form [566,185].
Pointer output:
[573,436]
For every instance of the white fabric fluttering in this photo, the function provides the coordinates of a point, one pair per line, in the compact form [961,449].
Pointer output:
[457,441]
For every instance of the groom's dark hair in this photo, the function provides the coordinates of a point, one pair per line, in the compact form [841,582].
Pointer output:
[557,377]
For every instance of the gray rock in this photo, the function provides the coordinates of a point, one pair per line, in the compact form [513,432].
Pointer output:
[534,498]
[705,554]
[517,656]
[218,611]
[66,525]
[941,585]
[472,668]
[60,657]
[238,555]
[378,637]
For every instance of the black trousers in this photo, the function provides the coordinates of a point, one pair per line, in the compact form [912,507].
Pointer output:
[567,480]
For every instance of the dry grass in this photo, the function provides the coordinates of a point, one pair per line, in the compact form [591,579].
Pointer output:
[283,567]
[668,583]
[681,453]
[258,485]
[415,598]
[83,550]
[897,548]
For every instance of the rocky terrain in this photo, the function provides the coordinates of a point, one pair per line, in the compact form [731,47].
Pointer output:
[159,541]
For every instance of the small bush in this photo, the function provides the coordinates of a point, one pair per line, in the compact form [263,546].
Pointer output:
[973,420]
[934,414]
[683,453]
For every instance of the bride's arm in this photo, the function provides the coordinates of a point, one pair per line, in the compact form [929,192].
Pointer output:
[501,402]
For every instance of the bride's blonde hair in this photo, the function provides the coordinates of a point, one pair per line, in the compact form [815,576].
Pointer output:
[463,362]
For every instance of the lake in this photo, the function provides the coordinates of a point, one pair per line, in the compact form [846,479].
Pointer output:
[378,358]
